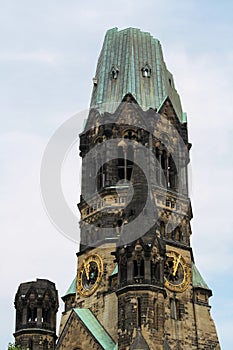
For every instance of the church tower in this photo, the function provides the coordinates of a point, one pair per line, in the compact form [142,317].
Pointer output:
[36,306]
[137,285]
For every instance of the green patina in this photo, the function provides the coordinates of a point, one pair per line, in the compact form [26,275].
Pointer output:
[115,271]
[198,281]
[128,52]
[72,288]
[96,329]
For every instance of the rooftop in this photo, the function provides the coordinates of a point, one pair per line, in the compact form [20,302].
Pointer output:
[97,330]
[131,61]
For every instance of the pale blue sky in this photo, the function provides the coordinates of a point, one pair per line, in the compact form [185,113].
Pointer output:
[48,55]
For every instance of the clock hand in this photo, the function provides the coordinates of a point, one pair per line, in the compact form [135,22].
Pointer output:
[86,270]
[176,265]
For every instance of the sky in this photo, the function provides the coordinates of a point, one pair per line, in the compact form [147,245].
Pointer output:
[48,56]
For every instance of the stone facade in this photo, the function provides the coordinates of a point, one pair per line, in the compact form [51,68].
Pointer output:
[137,286]
[36,306]
[137,297]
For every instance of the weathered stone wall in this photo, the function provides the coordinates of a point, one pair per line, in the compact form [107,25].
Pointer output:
[103,302]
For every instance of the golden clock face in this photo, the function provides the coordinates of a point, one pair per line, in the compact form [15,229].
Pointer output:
[89,275]
[176,272]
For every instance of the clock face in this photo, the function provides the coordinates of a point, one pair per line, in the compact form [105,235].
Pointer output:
[176,272]
[89,275]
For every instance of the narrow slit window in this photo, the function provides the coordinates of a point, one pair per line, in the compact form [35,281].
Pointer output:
[139,313]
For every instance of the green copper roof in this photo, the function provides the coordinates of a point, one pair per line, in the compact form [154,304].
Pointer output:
[124,56]
[97,330]
[72,288]
[198,280]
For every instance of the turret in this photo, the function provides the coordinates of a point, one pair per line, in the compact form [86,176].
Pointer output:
[36,305]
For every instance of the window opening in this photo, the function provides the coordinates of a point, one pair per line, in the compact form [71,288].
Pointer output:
[157,166]
[146,71]
[32,314]
[164,167]
[172,173]
[45,315]
[125,163]
[114,73]
[101,175]
[139,312]
[138,270]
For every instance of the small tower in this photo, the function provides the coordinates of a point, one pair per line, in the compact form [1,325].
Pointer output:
[69,303]
[69,297]
[36,306]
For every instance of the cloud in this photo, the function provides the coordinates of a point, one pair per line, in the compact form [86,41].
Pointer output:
[195,39]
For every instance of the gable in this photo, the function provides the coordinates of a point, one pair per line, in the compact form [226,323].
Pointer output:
[166,108]
[82,330]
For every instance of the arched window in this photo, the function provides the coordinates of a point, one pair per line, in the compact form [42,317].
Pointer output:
[155,270]
[164,168]
[31,314]
[138,270]
[172,173]
[168,177]
[125,162]
[101,175]
[46,315]
[162,228]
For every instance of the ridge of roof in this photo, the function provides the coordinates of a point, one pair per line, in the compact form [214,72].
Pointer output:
[96,329]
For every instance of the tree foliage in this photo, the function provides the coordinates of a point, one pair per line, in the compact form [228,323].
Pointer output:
[12,346]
